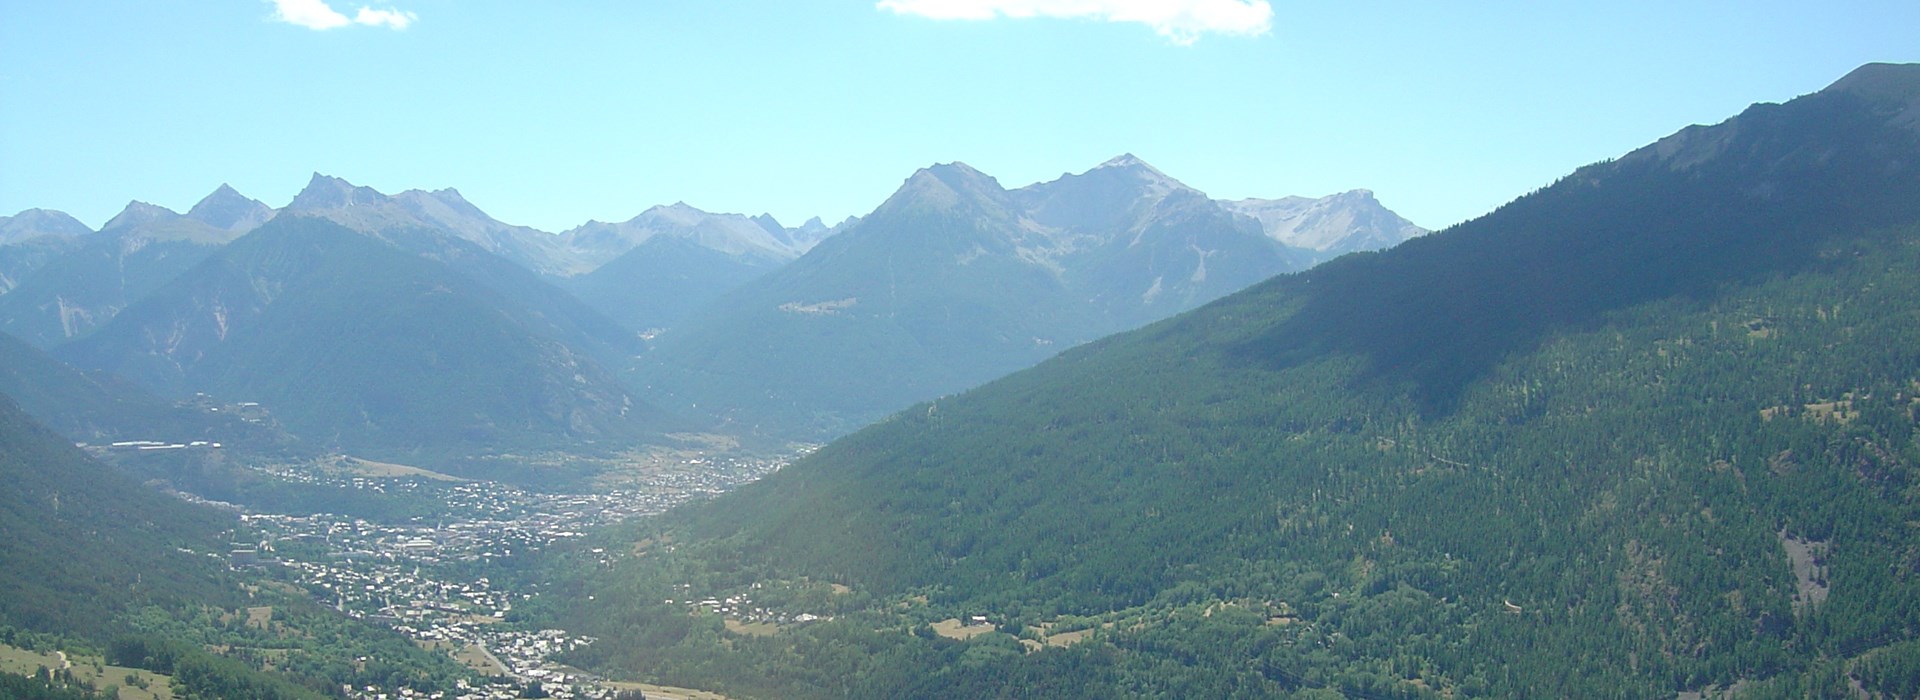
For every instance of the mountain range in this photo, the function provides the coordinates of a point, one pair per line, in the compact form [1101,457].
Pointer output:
[955,280]
[651,271]
[1646,431]
[98,274]
[395,323]
[364,343]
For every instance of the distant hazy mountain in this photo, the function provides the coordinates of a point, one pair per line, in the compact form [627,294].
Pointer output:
[925,295]
[804,237]
[1330,226]
[366,209]
[99,407]
[34,223]
[760,239]
[1645,432]
[355,341]
[658,283]
[134,253]
[648,272]
[1141,245]
[33,238]
[230,210]
[955,280]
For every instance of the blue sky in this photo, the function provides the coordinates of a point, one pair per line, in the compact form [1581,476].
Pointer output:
[549,114]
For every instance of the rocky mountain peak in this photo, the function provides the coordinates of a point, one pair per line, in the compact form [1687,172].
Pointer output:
[138,213]
[34,223]
[944,186]
[227,209]
[1133,165]
[327,192]
[455,205]
[1104,198]
[772,225]
[1331,225]
[959,176]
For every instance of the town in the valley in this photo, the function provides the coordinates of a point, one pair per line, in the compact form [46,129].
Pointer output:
[426,578]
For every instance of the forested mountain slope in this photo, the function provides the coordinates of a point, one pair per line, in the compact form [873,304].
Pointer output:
[30,239]
[356,342]
[93,557]
[663,280]
[84,543]
[1646,430]
[97,407]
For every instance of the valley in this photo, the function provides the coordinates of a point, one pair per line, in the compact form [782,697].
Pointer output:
[422,417]
[452,580]
[429,580]
[1638,418]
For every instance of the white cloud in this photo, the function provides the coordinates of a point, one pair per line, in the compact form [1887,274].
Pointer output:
[397,19]
[1180,21]
[318,15]
[312,14]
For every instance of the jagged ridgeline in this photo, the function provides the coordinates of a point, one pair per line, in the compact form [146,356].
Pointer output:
[1649,429]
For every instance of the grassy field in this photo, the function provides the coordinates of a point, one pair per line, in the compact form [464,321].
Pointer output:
[477,659]
[91,670]
[384,470]
[952,628]
[756,629]
[259,617]
[667,692]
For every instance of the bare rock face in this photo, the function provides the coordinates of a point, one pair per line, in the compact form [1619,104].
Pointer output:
[1333,225]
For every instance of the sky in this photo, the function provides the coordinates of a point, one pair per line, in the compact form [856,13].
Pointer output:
[551,114]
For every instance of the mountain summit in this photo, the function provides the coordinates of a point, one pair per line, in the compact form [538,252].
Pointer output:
[327,192]
[95,276]
[1897,86]
[34,223]
[954,280]
[366,210]
[730,234]
[230,210]
[1333,225]
[138,213]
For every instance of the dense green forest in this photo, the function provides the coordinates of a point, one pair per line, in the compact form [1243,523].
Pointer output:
[1647,430]
[85,543]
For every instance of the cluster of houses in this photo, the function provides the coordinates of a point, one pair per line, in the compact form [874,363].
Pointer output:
[742,608]
[391,573]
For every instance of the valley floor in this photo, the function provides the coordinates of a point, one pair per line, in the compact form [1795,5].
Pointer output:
[437,579]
